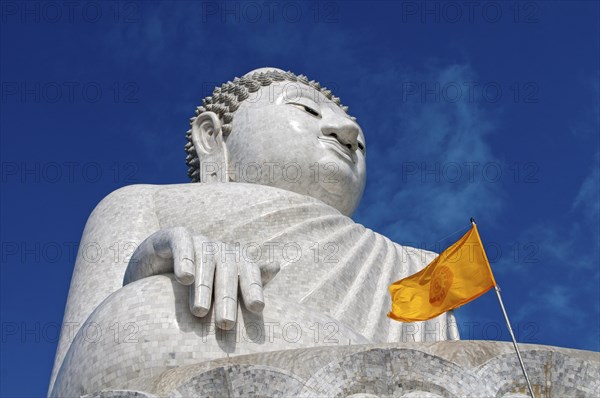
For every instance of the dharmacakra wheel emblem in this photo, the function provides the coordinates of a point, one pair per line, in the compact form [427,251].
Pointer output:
[441,280]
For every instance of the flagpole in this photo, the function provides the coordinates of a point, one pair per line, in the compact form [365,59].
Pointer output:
[512,335]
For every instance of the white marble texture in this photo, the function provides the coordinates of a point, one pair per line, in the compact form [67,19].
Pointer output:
[404,370]
[283,168]
[330,296]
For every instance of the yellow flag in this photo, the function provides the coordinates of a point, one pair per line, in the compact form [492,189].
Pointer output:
[460,273]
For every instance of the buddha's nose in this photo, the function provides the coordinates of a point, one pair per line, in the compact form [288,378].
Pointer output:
[342,129]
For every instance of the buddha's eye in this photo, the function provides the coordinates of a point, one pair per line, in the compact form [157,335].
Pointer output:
[306,109]
[311,111]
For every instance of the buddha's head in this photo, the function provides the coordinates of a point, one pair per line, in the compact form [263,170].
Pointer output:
[275,128]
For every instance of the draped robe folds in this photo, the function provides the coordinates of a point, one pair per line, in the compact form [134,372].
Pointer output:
[325,283]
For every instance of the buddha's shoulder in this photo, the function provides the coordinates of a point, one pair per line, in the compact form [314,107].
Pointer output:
[128,194]
[126,200]
[235,194]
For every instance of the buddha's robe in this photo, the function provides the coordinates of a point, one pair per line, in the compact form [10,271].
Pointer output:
[325,282]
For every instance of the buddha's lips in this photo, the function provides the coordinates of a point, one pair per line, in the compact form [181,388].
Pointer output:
[337,146]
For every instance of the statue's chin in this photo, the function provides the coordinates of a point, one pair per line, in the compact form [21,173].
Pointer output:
[345,201]
[343,194]
[339,186]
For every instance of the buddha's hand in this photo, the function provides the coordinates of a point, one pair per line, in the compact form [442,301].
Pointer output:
[204,265]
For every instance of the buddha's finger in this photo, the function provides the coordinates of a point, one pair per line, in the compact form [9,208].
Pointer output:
[251,286]
[201,292]
[226,285]
[182,249]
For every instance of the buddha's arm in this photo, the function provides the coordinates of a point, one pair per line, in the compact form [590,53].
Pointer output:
[118,224]
[126,222]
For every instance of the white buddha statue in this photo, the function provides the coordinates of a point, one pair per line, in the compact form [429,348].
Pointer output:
[257,254]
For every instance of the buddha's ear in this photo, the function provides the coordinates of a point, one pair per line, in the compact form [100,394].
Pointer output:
[207,137]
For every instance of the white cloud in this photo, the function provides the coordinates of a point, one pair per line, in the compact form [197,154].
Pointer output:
[435,151]
[588,197]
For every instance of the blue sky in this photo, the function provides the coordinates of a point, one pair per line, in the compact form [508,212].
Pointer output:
[488,110]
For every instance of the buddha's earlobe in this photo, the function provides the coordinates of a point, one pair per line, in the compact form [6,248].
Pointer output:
[208,140]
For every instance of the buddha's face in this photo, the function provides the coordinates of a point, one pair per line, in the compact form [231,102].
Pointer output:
[290,136]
